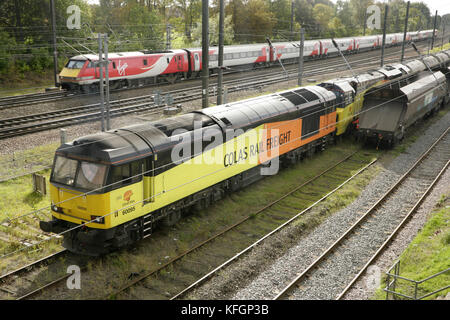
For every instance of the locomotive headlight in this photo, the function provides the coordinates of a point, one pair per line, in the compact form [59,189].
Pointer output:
[57,209]
[98,219]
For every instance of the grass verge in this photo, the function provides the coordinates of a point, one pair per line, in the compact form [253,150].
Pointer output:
[426,255]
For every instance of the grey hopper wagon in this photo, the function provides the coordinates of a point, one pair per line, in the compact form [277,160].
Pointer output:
[389,110]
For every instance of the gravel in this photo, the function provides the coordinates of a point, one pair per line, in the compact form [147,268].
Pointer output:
[250,278]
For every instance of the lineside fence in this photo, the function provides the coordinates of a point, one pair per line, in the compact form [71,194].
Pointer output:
[410,288]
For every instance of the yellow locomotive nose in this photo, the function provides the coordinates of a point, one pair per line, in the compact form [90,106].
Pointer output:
[69,73]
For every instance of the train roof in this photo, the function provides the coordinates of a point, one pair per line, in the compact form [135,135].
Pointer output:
[141,140]
[106,147]
[431,61]
[442,57]
[415,66]
[369,76]
[110,55]
[243,113]
[423,85]
[390,72]
[343,84]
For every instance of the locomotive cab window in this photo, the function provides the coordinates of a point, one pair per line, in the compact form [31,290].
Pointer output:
[75,64]
[125,174]
[79,174]
[90,176]
[64,171]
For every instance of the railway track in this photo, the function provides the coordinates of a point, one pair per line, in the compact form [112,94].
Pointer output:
[8,282]
[76,115]
[36,98]
[345,260]
[210,252]
[33,98]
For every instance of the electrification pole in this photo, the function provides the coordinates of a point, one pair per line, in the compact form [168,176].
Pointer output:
[404,32]
[292,20]
[434,30]
[300,57]
[443,34]
[205,53]
[384,34]
[221,36]
[100,66]
[364,23]
[105,46]
[168,29]
[55,52]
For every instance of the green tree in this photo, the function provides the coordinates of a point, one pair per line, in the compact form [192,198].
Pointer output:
[337,28]
[214,32]
[323,15]
[359,9]
[6,42]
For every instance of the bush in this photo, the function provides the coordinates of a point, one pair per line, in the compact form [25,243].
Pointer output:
[6,42]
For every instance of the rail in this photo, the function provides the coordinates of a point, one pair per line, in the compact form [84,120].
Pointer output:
[392,282]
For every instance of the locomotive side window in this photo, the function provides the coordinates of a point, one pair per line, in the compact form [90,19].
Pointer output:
[114,65]
[145,62]
[125,174]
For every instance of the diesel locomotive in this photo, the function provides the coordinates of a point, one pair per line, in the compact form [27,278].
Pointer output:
[111,189]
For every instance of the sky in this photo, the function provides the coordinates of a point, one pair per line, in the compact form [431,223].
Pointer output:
[442,6]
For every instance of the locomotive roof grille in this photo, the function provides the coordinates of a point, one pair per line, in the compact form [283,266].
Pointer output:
[294,98]
[308,95]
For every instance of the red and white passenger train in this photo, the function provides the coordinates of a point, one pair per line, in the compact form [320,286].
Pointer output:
[134,69]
